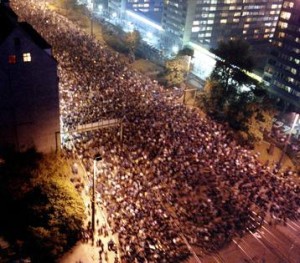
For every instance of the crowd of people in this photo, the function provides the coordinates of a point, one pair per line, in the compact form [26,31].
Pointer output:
[176,177]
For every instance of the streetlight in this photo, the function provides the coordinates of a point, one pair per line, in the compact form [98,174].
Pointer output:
[97,158]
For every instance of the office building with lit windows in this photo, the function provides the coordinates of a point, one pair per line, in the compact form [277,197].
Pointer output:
[282,71]
[207,22]
[116,8]
[29,97]
[149,8]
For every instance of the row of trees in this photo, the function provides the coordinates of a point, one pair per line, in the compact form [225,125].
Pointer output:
[233,96]
[230,94]
[40,206]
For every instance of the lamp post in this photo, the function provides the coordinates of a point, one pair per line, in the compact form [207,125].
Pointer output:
[92,18]
[287,140]
[97,158]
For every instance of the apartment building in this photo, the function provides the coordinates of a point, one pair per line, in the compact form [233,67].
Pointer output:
[207,22]
[282,71]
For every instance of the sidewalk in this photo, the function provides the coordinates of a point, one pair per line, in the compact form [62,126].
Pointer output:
[86,252]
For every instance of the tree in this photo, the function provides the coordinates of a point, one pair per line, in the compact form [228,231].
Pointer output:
[176,70]
[132,41]
[37,190]
[249,112]
[234,59]
[186,52]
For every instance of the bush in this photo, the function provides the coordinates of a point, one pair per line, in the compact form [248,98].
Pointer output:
[38,190]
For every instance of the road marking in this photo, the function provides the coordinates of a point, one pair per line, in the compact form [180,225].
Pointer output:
[243,250]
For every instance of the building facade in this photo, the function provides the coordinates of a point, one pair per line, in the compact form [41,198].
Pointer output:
[149,8]
[29,101]
[116,8]
[207,22]
[282,71]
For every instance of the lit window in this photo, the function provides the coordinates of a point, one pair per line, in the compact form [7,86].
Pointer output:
[294,71]
[26,57]
[12,59]
[195,29]
[285,15]
[288,5]
[223,21]
[282,25]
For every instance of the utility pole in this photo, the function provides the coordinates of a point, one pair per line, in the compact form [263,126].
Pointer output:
[287,141]
[92,19]
[97,158]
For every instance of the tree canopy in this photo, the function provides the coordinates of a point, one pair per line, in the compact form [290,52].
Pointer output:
[234,59]
[132,40]
[176,70]
[42,206]
[233,96]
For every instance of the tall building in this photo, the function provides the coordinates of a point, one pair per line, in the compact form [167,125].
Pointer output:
[149,8]
[116,8]
[206,22]
[29,98]
[282,72]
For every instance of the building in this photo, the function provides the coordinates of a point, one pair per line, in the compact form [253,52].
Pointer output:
[116,8]
[207,22]
[282,71]
[29,101]
[151,9]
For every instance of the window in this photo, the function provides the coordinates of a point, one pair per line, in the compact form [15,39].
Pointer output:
[282,25]
[12,59]
[195,29]
[285,15]
[294,71]
[26,57]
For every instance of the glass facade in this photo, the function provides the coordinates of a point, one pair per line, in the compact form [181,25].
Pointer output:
[283,68]
[215,20]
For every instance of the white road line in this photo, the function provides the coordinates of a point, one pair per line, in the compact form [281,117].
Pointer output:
[288,224]
[296,225]
[242,250]
[190,248]
[270,233]
[259,241]
[216,259]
